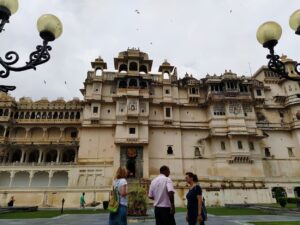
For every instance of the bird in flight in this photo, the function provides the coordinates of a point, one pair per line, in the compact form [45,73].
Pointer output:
[137,11]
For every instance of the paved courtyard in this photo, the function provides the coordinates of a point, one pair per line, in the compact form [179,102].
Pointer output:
[102,219]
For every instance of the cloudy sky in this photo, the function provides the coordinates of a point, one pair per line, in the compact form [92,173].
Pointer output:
[197,36]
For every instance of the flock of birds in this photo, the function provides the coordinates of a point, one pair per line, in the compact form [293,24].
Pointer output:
[137,29]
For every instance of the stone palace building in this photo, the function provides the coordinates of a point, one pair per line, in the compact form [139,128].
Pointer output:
[240,135]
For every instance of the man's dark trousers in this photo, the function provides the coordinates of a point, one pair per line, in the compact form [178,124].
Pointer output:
[163,216]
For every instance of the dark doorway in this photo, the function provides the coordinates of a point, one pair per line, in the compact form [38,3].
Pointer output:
[131,166]
[132,159]
[297,192]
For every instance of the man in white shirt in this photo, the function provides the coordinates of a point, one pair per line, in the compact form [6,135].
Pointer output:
[162,192]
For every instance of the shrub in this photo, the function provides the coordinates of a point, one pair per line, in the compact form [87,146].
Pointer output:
[282,201]
[279,193]
[293,200]
[137,202]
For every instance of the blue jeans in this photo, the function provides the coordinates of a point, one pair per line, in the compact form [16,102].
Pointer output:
[119,217]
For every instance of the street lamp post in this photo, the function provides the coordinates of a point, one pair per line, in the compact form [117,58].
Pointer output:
[49,27]
[268,35]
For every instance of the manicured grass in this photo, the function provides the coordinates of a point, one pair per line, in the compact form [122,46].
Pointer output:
[46,214]
[222,211]
[288,206]
[180,209]
[276,223]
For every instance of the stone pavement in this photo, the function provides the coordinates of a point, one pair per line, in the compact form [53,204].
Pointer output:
[102,219]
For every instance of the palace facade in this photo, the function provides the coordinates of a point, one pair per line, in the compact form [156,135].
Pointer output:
[240,135]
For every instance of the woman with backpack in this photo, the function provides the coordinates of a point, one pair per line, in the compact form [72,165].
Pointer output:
[120,185]
[194,198]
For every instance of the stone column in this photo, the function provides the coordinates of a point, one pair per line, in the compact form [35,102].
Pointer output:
[30,178]
[12,176]
[45,135]
[76,155]
[27,133]
[58,155]
[4,132]
[40,155]
[50,177]
[61,133]
[23,156]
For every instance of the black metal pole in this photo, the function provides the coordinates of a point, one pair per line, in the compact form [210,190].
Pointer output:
[62,206]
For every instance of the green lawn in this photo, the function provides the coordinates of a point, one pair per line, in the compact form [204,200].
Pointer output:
[222,211]
[46,214]
[288,206]
[276,223]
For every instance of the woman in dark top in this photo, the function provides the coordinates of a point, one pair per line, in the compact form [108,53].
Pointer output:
[194,201]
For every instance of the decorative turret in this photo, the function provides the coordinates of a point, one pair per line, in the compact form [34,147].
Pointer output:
[166,69]
[99,65]
[133,60]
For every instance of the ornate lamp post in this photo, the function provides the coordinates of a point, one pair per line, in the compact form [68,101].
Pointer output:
[49,27]
[268,35]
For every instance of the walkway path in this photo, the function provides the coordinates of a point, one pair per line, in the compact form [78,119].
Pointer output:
[102,219]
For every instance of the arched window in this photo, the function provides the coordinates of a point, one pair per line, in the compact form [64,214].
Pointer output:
[40,179]
[1,134]
[197,152]
[77,115]
[193,91]
[67,115]
[1,112]
[240,145]
[133,83]
[278,191]
[143,84]
[55,115]
[44,115]
[143,68]
[123,68]
[61,115]
[22,115]
[51,156]
[38,115]
[33,156]
[99,72]
[68,156]
[170,150]
[6,112]
[16,116]
[16,157]
[133,66]
[49,115]
[32,115]
[166,75]
[122,84]
[72,116]
[297,192]
[267,152]
[27,115]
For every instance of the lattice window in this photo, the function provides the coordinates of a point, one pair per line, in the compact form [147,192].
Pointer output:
[235,107]
[122,106]
[143,107]
[247,108]
[219,110]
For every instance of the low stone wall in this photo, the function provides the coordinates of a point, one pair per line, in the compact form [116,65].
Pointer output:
[52,198]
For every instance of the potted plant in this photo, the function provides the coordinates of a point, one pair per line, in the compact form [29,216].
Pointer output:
[137,202]
[105,205]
